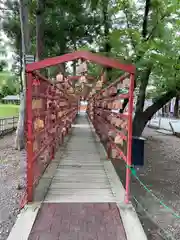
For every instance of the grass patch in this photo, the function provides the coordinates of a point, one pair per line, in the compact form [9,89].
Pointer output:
[9,110]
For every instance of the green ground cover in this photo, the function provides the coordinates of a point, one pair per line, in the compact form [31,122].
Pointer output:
[8,110]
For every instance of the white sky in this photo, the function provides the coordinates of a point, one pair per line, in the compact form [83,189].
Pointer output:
[9,50]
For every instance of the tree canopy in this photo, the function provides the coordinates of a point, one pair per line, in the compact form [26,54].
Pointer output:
[145,33]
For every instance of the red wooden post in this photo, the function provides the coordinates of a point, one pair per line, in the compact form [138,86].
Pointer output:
[129,147]
[29,81]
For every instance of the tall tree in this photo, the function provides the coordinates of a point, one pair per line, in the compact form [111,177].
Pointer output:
[103,6]
[40,24]
[59,25]
[25,37]
[149,41]
[176,107]
[143,33]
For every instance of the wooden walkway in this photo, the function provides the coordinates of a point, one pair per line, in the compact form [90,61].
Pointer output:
[80,176]
[80,203]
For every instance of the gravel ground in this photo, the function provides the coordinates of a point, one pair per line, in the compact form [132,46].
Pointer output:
[161,174]
[12,174]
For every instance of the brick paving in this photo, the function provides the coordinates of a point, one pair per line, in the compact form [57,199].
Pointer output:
[78,221]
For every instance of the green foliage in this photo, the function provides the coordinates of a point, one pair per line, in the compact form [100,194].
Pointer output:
[71,25]
[9,84]
[3,77]
[3,53]
[3,64]
[67,26]
[7,90]
[160,46]
[11,24]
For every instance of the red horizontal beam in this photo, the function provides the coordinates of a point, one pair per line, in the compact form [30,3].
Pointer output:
[120,152]
[48,62]
[101,60]
[121,96]
[118,115]
[108,62]
[77,77]
[120,79]
[111,127]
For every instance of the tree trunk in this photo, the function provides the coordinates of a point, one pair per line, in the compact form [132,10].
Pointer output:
[25,35]
[21,68]
[107,45]
[74,62]
[40,34]
[145,18]
[62,46]
[140,119]
[40,30]
[138,122]
[142,89]
[176,107]
[163,111]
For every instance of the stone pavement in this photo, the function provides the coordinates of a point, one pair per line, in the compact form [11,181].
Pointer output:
[78,221]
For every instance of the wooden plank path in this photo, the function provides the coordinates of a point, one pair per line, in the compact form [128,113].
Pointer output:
[81,201]
[80,176]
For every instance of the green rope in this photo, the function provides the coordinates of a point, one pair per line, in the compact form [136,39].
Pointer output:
[134,173]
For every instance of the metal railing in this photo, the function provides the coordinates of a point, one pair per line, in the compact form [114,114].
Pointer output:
[8,125]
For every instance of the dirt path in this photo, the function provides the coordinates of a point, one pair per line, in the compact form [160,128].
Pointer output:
[12,173]
[161,174]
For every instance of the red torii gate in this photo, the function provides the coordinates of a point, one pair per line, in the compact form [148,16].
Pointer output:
[50,112]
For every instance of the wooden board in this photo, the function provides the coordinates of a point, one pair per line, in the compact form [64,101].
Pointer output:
[80,176]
